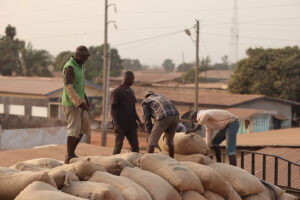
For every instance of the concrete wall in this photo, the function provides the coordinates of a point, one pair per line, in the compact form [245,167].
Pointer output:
[28,138]
[282,109]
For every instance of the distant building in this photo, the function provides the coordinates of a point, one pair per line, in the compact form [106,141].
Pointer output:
[27,102]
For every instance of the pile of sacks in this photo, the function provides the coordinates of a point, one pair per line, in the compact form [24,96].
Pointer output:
[133,176]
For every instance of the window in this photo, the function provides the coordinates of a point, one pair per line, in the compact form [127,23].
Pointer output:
[54,110]
[16,109]
[1,108]
[38,111]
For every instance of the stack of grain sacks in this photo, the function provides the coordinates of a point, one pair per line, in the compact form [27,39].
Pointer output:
[134,176]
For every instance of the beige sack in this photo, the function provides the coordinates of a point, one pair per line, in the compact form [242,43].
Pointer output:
[259,196]
[22,166]
[12,182]
[178,175]
[185,144]
[212,196]
[210,179]
[242,181]
[93,190]
[129,189]
[42,191]
[196,158]
[269,191]
[287,196]
[112,164]
[82,169]
[62,177]
[192,195]
[233,195]
[130,157]
[157,187]
[44,162]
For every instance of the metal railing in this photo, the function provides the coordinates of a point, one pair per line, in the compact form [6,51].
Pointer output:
[288,185]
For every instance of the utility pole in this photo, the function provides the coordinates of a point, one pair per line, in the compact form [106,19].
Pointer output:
[104,79]
[197,65]
[183,65]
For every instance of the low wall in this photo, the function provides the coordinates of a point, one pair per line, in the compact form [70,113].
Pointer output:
[28,138]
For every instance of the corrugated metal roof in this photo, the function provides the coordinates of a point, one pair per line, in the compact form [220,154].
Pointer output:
[246,113]
[292,154]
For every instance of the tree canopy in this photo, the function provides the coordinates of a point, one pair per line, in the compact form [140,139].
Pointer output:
[131,64]
[272,72]
[168,65]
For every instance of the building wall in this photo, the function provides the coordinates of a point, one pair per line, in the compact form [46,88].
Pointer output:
[282,108]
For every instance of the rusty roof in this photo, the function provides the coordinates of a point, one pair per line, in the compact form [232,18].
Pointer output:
[246,113]
[292,154]
[33,85]
[289,137]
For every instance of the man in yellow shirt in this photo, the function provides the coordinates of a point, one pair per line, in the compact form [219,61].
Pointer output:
[228,126]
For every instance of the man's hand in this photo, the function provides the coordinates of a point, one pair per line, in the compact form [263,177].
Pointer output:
[88,105]
[140,125]
[116,128]
[188,131]
[83,106]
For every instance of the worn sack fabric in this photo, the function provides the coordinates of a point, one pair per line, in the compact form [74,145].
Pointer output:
[178,175]
[157,187]
[12,182]
[93,190]
[43,191]
[242,181]
[192,195]
[62,177]
[44,162]
[129,189]
[82,169]
[130,157]
[287,196]
[233,195]
[23,166]
[272,190]
[212,196]
[259,196]
[112,164]
[185,144]
[210,179]
[196,158]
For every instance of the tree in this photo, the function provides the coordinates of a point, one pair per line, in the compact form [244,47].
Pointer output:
[184,67]
[61,60]
[272,72]
[168,65]
[131,64]
[36,62]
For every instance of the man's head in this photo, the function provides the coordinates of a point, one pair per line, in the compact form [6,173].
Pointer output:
[148,93]
[193,117]
[128,78]
[82,54]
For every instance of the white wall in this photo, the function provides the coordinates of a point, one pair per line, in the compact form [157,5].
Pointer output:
[38,111]
[1,108]
[28,138]
[16,109]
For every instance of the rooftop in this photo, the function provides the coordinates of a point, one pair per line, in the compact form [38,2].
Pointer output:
[246,113]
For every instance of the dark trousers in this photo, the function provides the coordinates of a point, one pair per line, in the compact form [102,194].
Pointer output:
[132,138]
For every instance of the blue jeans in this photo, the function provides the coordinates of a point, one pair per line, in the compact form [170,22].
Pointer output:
[228,133]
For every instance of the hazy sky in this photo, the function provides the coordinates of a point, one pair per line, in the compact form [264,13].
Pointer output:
[59,25]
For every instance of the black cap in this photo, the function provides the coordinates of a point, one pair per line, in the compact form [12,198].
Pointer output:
[82,51]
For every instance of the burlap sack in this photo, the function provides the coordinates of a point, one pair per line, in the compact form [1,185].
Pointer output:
[130,157]
[93,190]
[112,164]
[129,189]
[62,177]
[44,162]
[287,196]
[42,191]
[259,196]
[233,195]
[272,190]
[12,182]
[82,169]
[22,166]
[243,182]
[212,196]
[157,187]
[192,195]
[185,144]
[178,175]
[210,179]
[196,158]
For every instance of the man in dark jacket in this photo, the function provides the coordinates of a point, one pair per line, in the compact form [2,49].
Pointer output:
[166,118]
[123,113]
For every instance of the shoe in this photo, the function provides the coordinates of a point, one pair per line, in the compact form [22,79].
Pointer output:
[232,160]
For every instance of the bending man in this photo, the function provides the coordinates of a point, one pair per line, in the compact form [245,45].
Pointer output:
[228,126]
